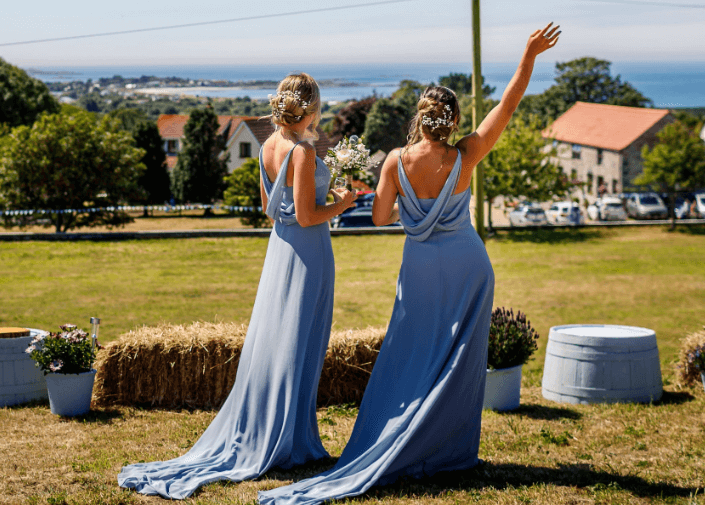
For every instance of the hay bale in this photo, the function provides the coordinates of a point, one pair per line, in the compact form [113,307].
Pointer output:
[170,366]
[176,366]
[688,374]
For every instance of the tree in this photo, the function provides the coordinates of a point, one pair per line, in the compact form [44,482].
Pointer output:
[675,163]
[200,171]
[69,161]
[519,166]
[351,118]
[155,179]
[22,98]
[462,84]
[128,119]
[244,191]
[387,125]
[584,79]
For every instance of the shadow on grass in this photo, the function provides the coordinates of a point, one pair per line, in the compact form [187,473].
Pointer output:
[501,476]
[548,235]
[691,230]
[543,412]
[674,398]
[96,415]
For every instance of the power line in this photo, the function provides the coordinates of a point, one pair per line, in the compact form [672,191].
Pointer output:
[202,23]
[655,4]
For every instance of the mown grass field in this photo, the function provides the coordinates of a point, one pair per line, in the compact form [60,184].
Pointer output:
[543,453]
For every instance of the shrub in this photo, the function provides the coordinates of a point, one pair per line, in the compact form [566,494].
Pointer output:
[692,357]
[70,351]
[512,339]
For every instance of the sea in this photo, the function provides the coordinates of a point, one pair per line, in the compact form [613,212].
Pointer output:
[667,84]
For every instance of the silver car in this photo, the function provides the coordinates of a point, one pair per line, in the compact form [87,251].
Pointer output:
[527,215]
[607,208]
[646,206]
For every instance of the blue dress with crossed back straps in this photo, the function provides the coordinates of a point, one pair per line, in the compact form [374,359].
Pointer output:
[269,417]
[421,410]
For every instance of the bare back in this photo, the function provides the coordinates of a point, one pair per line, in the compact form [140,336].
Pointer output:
[274,151]
[427,167]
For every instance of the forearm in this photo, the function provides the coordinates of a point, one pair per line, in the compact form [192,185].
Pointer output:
[320,213]
[517,86]
[391,219]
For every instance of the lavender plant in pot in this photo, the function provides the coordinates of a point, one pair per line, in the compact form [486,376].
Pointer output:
[66,358]
[512,341]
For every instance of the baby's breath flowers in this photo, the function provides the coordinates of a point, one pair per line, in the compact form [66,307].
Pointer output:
[280,101]
[348,157]
[434,123]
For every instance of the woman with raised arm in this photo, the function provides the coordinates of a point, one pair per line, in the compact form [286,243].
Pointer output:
[423,403]
[269,418]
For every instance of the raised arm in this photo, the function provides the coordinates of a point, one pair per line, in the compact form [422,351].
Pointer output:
[474,147]
[308,213]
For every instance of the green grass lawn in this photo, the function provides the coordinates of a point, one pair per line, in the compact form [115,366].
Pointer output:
[642,277]
[543,453]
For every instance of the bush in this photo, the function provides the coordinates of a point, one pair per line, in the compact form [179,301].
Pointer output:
[70,351]
[692,357]
[512,339]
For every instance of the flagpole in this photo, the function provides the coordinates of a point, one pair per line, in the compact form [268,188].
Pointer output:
[477,115]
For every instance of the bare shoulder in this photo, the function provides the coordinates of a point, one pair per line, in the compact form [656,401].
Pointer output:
[303,153]
[469,147]
[392,158]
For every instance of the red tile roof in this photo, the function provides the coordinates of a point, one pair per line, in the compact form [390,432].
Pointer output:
[611,127]
[172,125]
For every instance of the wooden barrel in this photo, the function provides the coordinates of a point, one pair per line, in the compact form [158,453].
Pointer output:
[593,363]
[20,380]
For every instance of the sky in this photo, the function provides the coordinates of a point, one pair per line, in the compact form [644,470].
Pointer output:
[411,31]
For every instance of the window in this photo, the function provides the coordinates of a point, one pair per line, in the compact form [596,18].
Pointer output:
[576,151]
[614,186]
[589,182]
[245,150]
[599,156]
[555,144]
[172,146]
[573,175]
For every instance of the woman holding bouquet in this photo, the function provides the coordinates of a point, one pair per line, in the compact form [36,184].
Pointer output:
[269,418]
[422,406]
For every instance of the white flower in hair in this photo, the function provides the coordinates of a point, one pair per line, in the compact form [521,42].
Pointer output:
[437,122]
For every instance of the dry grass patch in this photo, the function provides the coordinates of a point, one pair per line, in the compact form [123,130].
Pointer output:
[543,453]
[194,366]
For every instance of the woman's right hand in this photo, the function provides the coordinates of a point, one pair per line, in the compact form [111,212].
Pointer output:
[542,40]
[344,196]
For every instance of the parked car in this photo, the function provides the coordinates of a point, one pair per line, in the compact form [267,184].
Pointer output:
[682,207]
[356,218]
[527,215]
[607,208]
[565,213]
[699,207]
[646,206]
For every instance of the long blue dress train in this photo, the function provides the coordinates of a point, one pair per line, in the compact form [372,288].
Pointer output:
[269,417]
[422,407]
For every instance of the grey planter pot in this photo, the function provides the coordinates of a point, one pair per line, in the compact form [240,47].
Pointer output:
[70,394]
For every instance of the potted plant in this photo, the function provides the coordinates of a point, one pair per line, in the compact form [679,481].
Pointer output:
[512,341]
[66,358]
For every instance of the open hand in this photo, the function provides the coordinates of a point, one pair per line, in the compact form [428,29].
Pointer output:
[541,40]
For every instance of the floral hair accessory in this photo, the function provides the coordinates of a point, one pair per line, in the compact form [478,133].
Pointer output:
[280,105]
[437,122]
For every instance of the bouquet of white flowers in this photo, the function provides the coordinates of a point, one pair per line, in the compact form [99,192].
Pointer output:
[348,157]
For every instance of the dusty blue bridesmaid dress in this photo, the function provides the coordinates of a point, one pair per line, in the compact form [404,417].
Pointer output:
[422,406]
[269,417]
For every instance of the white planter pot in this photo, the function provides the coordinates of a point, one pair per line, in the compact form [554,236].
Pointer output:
[70,394]
[503,388]
[20,379]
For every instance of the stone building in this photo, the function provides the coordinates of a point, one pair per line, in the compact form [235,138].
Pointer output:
[600,145]
[244,137]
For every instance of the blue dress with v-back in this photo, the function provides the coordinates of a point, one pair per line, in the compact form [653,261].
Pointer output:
[422,407]
[269,417]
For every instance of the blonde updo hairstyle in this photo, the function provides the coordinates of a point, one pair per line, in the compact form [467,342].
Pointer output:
[437,116]
[297,97]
